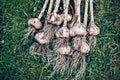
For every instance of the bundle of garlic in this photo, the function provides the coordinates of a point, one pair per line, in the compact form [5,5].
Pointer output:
[62,39]
[41,47]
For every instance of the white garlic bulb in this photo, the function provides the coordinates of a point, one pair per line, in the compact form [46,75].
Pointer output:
[85,48]
[78,29]
[69,18]
[55,19]
[35,22]
[66,50]
[93,30]
[40,37]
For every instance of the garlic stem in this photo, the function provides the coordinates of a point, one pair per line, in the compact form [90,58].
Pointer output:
[66,5]
[91,11]
[50,7]
[85,16]
[86,13]
[43,9]
[75,3]
[78,10]
[57,3]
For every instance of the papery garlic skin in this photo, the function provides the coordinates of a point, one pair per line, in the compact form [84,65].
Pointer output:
[93,30]
[85,48]
[55,19]
[63,33]
[52,19]
[69,18]
[72,32]
[77,46]
[35,22]
[78,30]
[40,37]
[66,50]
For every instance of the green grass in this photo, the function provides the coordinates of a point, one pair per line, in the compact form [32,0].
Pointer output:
[103,61]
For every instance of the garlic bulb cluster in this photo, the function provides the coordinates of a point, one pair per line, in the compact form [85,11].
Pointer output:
[56,25]
[64,33]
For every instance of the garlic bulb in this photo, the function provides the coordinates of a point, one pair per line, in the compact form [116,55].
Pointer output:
[76,46]
[72,32]
[93,30]
[63,33]
[80,45]
[85,48]
[68,18]
[40,37]
[55,19]
[64,50]
[35,22]
[77,43]
[78,30]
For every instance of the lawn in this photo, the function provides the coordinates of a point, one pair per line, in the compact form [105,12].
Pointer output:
[103,61]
